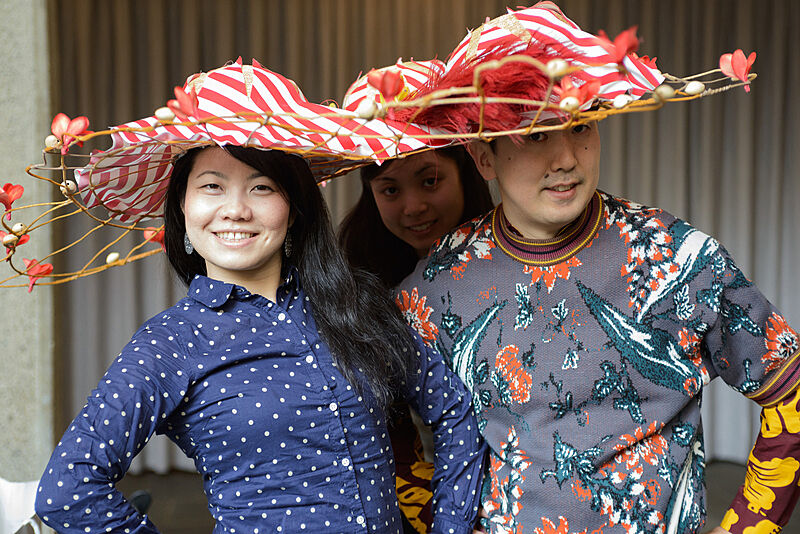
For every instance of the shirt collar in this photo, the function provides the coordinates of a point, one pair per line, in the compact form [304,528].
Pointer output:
[214,294]
[210,292]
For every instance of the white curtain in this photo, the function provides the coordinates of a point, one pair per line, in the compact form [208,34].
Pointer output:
[729,164]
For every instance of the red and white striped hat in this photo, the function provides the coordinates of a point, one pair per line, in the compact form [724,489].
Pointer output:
[563,61]
[240,105]
[546,26]
[407,77]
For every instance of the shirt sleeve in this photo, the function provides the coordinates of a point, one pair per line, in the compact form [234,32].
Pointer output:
[751,346]
[77,492]
[764,503]
[443,402]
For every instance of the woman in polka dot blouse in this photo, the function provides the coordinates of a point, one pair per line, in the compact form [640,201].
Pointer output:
[272,374]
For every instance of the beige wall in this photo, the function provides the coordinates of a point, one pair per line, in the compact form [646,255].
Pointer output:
[27,342]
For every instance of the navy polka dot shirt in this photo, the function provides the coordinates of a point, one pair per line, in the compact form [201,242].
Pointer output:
[248,390]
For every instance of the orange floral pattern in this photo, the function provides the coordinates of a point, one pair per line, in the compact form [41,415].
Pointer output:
[417,314]
[516,377]
[549,275]
[548,527]
[781,342]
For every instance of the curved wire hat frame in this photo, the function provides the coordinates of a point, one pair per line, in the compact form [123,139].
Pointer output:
[61,163]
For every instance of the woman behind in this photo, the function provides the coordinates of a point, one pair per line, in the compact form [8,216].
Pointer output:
[406,205]
[263,374]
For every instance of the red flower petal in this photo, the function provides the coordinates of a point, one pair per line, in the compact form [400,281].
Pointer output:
[77,126]
[374,78]
[389,82]
[175,107]
[737,66]
[186,101]
[8,194]
[59,125]
[725,65]
[35,270]
[626,43]
[5,200]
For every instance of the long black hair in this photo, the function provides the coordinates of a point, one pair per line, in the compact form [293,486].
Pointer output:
[368,338]
[369,245]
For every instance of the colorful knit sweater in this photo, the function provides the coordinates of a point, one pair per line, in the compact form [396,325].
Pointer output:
[587,355]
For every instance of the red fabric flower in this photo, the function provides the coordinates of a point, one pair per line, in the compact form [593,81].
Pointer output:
[67,130]
[388,81]
[646,60]
[21,241]
[584,93]
[36,270]
[155,234]
[737,66]
[185,104]
[9,194]
[625,43]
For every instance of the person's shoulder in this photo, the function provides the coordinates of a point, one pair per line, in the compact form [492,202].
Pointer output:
[640,224]
[622,211]
[168,327]
[465,244]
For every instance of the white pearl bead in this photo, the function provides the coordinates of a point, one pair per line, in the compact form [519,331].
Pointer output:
[694,88]
[68,187]
[569,103]
[367,108]
[18,228]
[164,114]
[620,101]
[112,257]
[556,68]
[51,141]
[664,92]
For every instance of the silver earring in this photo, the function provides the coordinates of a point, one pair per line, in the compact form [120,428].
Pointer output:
[187,245]
[287,245]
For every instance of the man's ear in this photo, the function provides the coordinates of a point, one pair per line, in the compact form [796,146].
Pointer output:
[484,158]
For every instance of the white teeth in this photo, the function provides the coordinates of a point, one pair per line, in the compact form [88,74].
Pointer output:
[421,227]
[234,236]
[562,188]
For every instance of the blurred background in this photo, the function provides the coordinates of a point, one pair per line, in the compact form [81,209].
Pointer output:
[729,164]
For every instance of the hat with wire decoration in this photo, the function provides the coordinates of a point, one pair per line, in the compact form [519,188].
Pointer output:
[246,105]
[534,69]
[123,187]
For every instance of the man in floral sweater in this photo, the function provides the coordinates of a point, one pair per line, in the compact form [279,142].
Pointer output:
[586,327]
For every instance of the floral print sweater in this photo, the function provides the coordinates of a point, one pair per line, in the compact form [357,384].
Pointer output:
[587,355]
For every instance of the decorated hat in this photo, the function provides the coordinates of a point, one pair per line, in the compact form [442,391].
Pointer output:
[124,186]
[533,69]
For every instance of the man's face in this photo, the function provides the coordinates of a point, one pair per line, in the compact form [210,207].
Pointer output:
[546,179]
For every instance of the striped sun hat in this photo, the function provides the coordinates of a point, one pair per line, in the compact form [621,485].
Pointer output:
[246,105]
[562,60]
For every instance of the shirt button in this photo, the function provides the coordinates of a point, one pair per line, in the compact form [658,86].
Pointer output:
[333,406]
[345,462]
[360,520]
